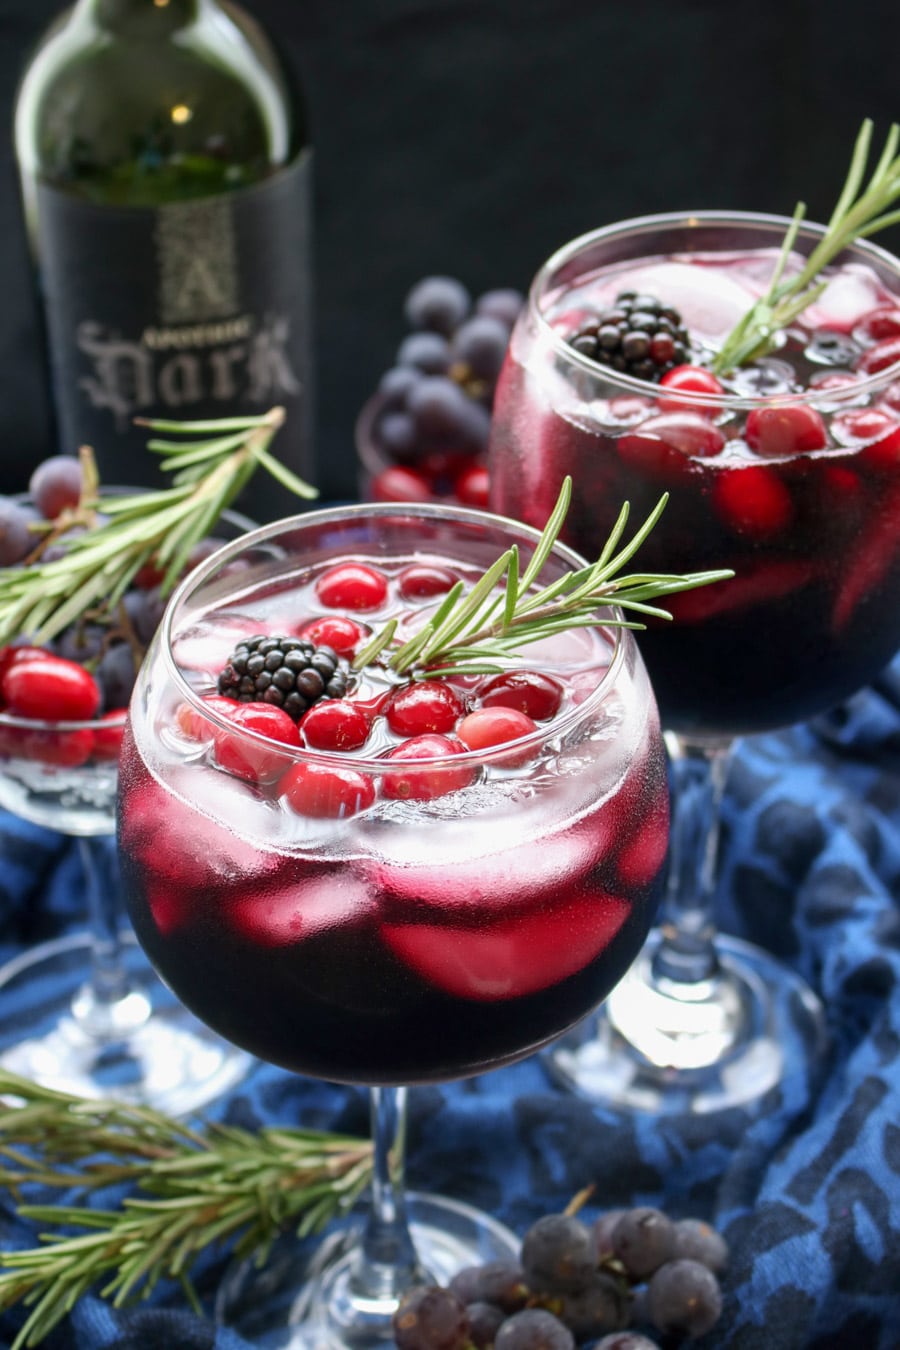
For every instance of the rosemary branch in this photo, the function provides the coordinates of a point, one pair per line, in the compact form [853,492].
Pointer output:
[477,631]
[859,212]
[195,1188]
[209,470]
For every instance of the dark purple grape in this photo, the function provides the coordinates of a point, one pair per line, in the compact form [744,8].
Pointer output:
[437,303]
[643,1239]
[144,609]
[684,1297]
[394,386]
[431,1318]
[16,539]
[396,434]
[558,1254]
[55,484]
[82,642]
[699,1241]
[504,304]
[445,416]
[427,352]
[499,1282]
[116,674]
[626,1340]
[602,1229]
[480,345]
[485,1320]
[534,1329]
[601,1305]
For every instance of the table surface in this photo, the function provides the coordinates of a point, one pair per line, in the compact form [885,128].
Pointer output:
[807,1191]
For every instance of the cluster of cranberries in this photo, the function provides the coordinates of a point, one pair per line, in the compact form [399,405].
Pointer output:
[433,407]
[575,1283]
[297,691]
[85,674]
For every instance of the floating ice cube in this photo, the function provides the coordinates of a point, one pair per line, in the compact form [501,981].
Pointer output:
[207,647]
[709,301]
[282,913]
[853,292]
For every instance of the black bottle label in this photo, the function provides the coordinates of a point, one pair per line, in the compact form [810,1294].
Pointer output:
[193,309]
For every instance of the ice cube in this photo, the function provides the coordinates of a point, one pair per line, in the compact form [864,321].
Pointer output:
[288,910]
[709,301]
[848,296]
[207,646]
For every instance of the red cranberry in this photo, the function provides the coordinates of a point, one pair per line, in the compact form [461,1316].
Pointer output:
[687,432]
[786,430]
[193,724]
[335,724]
[248,759]
[425,705]
[51,689]
[471,487]
[428,782]
[488,727]
[352,586]
[880,323]
[857,425]
[691,380]
[529,691]
[884,354]
[342,635]
[752,500]
[62,749]
[421,581]
[108,735]
[397,484]
[884,453]
[326,792]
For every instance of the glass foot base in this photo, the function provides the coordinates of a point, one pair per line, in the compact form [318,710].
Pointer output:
[681,1049]
[152,1052]
[297,1301]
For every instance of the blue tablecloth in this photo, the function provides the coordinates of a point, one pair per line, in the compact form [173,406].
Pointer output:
[807,1193]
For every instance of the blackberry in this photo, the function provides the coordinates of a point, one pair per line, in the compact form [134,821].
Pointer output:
[289,672]
[639,336]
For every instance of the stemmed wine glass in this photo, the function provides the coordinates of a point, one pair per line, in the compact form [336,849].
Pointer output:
[786,471]
[86,1013]
[393,892]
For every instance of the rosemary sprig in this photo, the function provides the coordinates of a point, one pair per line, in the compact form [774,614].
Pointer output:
[209,469]
[195,1188]
[478,630]
[859,212]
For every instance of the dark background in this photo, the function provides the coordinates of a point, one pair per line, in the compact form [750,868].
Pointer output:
[473,137]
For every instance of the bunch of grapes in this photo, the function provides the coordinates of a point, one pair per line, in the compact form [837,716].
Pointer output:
[87,672]
[428,431]
[631,1275]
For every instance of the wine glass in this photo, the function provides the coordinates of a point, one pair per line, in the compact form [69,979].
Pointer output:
[787,472]
[85,1013]
[403,909]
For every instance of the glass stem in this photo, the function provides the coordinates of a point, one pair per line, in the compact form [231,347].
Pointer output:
[687,953]
[107,1006]
[387,1263]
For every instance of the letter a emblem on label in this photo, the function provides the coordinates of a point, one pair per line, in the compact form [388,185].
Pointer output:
[196,260]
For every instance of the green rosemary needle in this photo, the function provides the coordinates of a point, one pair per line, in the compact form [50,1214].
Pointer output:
[859,212]
[479,629]
[191,1188]
[210,466]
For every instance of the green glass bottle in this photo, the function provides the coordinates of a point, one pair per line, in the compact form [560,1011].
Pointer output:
[166,180]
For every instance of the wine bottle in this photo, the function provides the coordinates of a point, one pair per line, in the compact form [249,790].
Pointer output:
[166,181]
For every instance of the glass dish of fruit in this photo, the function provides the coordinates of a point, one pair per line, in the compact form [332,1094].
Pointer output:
[423,434]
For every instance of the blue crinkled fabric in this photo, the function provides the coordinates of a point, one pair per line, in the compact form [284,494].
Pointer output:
[807,1191]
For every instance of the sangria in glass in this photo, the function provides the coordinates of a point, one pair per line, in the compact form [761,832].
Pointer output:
[377,879]
[785,469]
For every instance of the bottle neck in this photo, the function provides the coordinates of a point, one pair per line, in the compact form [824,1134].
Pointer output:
[143,18]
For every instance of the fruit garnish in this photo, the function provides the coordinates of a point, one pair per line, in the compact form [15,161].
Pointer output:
[638,336]
[860,212]
[289,673]
[102,544]
[478,630]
